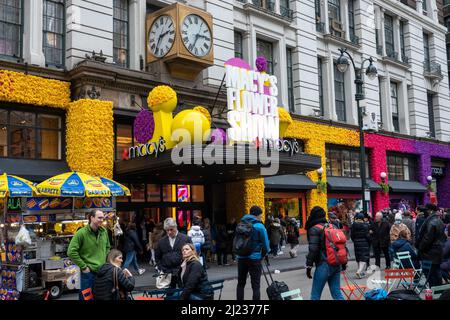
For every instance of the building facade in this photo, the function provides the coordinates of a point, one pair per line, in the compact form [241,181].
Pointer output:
[99,54]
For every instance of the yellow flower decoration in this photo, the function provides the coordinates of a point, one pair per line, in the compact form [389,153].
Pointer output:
[162,98]
[21,88]
[203,111]
[242,195]
[284,115]
[90,137]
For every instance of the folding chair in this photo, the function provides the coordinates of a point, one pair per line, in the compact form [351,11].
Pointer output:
[404,276]
[438,290]
[351,288]
[424,276]
[292,295]
[217,286]
[406,263]
[143,295]
[87,294]
[166,294]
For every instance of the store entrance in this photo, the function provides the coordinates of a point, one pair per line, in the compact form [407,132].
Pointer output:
[287,205]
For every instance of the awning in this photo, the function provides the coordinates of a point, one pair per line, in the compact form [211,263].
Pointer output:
[350,184]
[289,181]
[407,186]
[33,170]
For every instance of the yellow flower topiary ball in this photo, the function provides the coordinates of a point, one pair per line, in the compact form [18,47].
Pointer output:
[191,124]
[285,120]
[162,98]
[204,111]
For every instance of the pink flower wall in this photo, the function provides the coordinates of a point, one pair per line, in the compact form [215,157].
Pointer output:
[380,144]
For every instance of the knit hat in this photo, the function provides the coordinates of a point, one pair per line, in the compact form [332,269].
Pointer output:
[398,216]
[359,216]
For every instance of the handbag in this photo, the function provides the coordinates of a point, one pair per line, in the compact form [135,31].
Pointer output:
[163,280]
[117,293]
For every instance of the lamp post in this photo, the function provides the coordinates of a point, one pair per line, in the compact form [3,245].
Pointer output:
[371,72]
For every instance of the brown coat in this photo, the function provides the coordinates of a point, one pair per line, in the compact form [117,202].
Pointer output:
[396,229]
[155,236]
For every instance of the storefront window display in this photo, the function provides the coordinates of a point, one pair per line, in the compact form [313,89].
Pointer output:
[137,192]
[402,203]
[345,208]
[286,205]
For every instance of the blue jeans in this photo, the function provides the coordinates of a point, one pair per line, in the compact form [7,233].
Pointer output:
[131,259]
[86,281]
[325,273]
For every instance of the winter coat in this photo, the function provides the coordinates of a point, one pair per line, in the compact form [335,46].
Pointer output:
[420,219]
[431,239]
[396,229]
[445,265]
[276,233]
[208,242]
[401,245]
[316,247]
[336,223]
[169,259]
[157,234]
[259,239]
[196,235]
[104,282]
[131,242]
[380,233]
[292,234]
[361,240]
[411,226]
[194,281]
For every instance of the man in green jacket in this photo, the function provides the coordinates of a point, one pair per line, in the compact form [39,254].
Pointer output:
[88,249]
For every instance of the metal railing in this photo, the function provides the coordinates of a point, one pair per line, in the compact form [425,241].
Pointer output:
[354,39]
[392,54]
[320,27]
[432,68]
[405,58]
[379,49]
[286,12]
[268,5]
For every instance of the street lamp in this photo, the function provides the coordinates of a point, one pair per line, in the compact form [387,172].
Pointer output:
[371,72]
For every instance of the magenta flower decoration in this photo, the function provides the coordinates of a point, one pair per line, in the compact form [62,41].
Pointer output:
[261,64]
[218,136]
[144,126]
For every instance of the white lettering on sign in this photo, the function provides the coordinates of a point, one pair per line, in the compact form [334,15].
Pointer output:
[252,110]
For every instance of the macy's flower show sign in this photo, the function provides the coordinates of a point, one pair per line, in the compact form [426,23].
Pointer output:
[252,103]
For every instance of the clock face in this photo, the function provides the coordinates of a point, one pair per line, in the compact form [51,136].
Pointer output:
[196,35]
[161,36]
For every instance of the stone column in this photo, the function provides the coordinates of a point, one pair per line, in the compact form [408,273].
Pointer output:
[419,6]
[329,89]
[344,19]
[32,33]
[137,34]
[397,47]
[404,108]
[382,40]
[326,16]
[281,67]
[277,6]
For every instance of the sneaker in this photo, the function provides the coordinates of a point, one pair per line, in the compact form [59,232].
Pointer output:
[282,247]
[141,271]
[280,253]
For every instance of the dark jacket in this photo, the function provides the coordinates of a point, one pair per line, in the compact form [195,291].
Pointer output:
[131,242]
[445,265]
[207,245]
[380,233]
[276,233]
[292,233]
[336,223]
[361,240]
[401,245]
[104,282]
[195,281]
[259,239]
[169,259]
[431,239]
[420,219]
[317,252]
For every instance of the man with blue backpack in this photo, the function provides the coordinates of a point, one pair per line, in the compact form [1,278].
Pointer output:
[251,245]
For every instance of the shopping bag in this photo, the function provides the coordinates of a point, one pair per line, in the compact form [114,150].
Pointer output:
[163,280]
[117,230]
[23,237]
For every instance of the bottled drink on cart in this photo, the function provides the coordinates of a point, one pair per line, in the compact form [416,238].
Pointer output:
[428,294]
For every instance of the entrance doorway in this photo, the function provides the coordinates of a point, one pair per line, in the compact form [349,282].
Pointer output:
[284,204]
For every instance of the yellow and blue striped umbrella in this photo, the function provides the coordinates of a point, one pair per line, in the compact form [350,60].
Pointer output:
[73,184]
[13,186]
[117,189]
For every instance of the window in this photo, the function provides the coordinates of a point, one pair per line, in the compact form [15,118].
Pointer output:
[284,9]
[351,19]
[266,4]
[389,36]
[402,41]
[401,167]
[394,106]
[447,23]
[319,73]
[120,32]
[339,93]
[30,135]
[426,51]
[153,193]
[53,38]
[11,28]
[430,97]
[344,162]
[424,7]
[265,49]
[238,45]
[290,80]
[124,139]
[317,8]
[334,9]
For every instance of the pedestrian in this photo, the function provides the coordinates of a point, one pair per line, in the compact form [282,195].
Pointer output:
[192,277]
[317,256]
[402,244]
[283,232]
[222,245]
[409,222]
[430,244]
[197,237]
[420,219]
[397,227]
[361,241]
[111,275]
[89,248]
[155,236]
[379,234]
[335,221]
[132,246]
[445,264]
[292,237]
[259,242]
[231,228]
[168,254]
[207,246]
[275,236]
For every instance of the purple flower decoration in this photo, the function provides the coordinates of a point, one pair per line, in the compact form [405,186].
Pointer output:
[218,136]
[144,126]
[261,64]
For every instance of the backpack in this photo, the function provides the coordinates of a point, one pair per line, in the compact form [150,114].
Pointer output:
[242,244]
[291,235]
[335,240]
